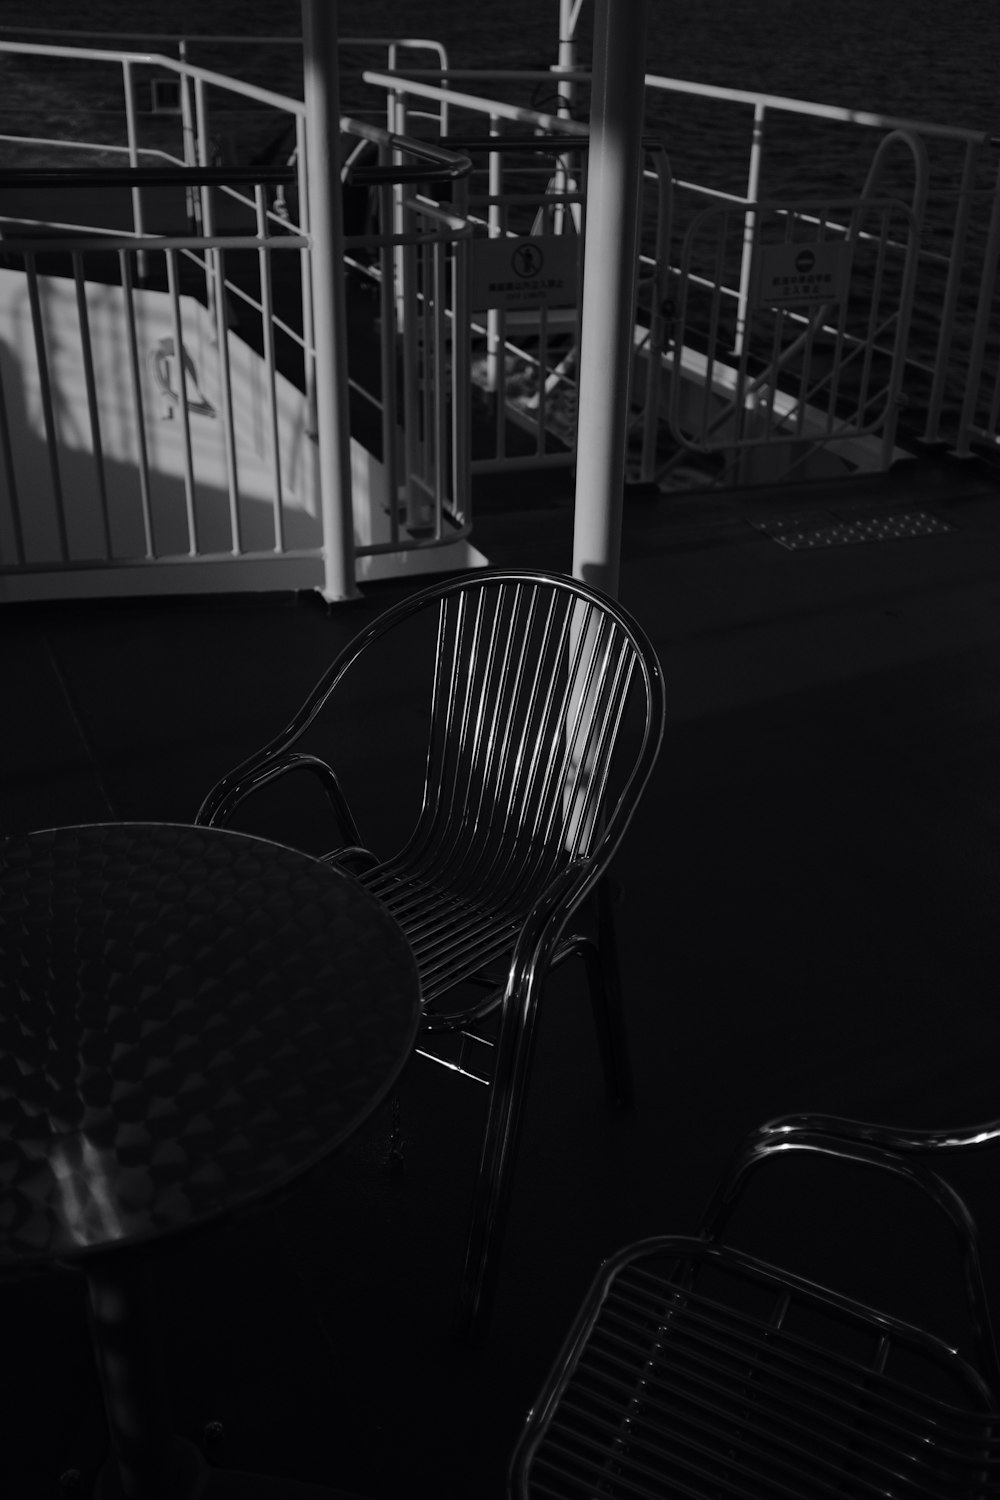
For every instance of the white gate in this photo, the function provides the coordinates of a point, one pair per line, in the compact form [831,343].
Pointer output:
[809,354]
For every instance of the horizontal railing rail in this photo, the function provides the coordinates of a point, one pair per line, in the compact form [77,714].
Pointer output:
[952,252]
[172,176]
[433,163]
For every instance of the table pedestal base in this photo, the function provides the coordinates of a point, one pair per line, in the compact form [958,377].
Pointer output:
[148,1461]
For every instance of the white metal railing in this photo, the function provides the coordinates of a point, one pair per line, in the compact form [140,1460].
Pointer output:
[950,356]
[210,317]
[950,359]
[948,253]
[824,326]
[526,362]
[122,443]
[813,359]
[420,274]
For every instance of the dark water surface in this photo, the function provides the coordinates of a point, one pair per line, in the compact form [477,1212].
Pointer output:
[927,59]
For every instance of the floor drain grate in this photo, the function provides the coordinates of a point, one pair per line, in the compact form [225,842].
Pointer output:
[800,532]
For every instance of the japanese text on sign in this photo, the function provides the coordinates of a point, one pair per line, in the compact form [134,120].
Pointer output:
[529,271]
[801,274]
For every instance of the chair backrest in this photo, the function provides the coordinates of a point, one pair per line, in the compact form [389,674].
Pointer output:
[532,678]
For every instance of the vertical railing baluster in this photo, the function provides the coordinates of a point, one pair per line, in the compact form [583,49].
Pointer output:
[45,394]
[93,412]
[460,378]
[949,303]
[411,395]
[226,401]
[305,268]
[493,214]
[205,192]
[417,511]
[441,387]
[718,282]
[192,198]
[138,406]
[753,193]
[981,327]
[132,136]
[388,347]
[267,319]
[7,450]
[182,401]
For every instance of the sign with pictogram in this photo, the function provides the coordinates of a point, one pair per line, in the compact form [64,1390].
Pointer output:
[810,274]
[538,270]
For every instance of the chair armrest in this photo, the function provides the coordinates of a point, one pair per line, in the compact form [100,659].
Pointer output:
[257,772]
[788,1128]
[886,1149]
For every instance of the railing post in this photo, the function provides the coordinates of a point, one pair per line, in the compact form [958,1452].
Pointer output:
[956,269]
[191,198]
[568,13]
[753,192]
[496,228]
[612,236]
[987,289]
[205,192]
[308,320]
[319,47]
[128,83]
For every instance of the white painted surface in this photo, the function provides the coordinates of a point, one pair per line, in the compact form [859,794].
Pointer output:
[161,421]
[172,567]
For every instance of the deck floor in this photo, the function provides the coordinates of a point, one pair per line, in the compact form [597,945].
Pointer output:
[809,921]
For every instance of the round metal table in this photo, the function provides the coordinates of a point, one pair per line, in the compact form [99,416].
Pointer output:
[190,1020]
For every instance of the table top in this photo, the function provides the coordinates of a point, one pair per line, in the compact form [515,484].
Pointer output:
[190,1018]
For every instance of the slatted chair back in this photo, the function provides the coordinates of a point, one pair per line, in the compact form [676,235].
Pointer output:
[530,685]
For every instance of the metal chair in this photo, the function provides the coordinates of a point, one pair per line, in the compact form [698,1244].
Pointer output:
[697,1370]
[546,713]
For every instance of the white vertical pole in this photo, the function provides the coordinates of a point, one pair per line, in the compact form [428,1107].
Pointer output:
[322,99]
[569,11]
[611,251]
[749,224]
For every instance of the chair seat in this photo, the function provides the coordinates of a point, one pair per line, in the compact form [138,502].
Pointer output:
[452,937]
[698,1371]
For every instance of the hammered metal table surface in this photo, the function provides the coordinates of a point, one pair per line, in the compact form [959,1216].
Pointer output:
[189,1019]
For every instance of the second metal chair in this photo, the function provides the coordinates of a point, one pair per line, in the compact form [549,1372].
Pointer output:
[695,1369]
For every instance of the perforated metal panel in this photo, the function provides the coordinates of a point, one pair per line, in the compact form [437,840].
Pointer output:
[827,529]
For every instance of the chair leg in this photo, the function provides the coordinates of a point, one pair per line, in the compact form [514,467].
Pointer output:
[491,1198]
[601,959]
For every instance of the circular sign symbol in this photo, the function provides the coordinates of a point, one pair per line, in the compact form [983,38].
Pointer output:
[804,261]
[527,260]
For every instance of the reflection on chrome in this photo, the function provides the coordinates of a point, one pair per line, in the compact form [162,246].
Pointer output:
[87,1209]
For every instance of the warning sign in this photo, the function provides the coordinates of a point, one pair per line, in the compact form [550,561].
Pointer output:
[801,274]
[525,271]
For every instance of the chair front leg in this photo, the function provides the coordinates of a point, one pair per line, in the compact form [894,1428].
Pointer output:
[491,1197]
